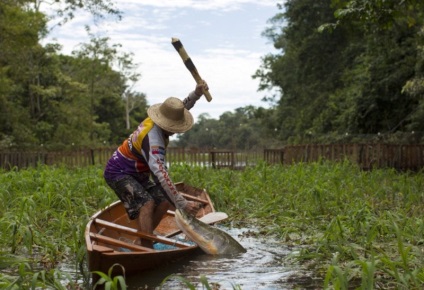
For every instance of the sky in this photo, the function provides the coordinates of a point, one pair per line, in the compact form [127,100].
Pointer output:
[222,37]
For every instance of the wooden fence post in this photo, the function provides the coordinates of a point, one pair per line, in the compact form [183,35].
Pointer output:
[213,158]
[93,162]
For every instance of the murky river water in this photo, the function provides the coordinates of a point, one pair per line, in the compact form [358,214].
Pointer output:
[264,266]
[261,267]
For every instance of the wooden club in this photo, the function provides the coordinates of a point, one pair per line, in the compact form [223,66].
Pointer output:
[189,64]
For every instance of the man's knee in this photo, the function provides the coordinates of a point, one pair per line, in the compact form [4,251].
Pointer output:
[148,206]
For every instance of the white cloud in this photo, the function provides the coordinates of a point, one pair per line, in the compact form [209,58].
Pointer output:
[222,37]
[201,4]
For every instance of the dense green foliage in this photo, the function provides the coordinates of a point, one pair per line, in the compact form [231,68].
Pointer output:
[347,226]
[43,216]
[241,129]
[56,100]
[346,67]
[343,71]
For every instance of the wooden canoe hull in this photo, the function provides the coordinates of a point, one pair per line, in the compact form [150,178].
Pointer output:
[102,260]
[111,238]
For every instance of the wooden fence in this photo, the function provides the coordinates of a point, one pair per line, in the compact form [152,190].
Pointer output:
[213,158]
[74,158]
[367,156]
[83,157]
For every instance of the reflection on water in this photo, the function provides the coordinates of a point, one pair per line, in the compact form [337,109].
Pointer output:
[261,267]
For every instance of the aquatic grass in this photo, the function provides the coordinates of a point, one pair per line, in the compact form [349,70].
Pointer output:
[46,212]
[350,227]
[335,208]
[27,278]
[339,282]
[109,281]
[403,269]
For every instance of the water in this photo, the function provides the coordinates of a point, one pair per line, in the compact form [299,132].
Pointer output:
[261,267]
[264,266]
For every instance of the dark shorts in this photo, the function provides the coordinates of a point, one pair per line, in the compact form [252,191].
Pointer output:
[135,193]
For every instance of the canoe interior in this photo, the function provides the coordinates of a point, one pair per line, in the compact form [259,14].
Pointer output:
[111,237]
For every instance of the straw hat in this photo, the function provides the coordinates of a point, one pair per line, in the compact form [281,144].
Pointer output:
[171,115]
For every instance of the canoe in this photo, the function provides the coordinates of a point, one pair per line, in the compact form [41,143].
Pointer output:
[111,237]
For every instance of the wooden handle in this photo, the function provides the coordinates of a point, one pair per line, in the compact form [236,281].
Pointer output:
[189,65]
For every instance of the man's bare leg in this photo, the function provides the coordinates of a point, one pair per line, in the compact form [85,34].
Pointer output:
[159,211]
[145,222]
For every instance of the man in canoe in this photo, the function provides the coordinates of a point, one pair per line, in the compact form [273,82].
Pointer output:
[137,170]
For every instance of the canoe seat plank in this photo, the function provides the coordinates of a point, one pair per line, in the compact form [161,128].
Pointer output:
[194,198]
[102,249]
[118,243]
[139,234]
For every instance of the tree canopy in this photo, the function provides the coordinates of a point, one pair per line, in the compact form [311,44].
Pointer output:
[347,68]
[56,100]
[344,71]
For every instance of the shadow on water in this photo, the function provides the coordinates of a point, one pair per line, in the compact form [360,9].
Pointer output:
[261,267]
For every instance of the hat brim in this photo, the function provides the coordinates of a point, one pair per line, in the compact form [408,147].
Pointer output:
[169,125]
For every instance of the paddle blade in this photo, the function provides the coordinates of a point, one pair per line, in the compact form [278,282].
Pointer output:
[213,217]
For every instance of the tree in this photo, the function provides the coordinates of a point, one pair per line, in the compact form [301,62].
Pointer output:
[344,67]
[95,70]
[48,98]
[130,77]
[308,67]
[66,9]
[133,101]
[392,32]
[233,130]
[19,70]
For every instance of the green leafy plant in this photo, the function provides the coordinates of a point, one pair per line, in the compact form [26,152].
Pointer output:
[110,282]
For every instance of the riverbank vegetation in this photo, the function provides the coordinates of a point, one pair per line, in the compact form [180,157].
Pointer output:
[348,228]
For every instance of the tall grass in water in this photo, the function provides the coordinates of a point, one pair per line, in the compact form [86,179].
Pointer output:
[43,214]
[353,228]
